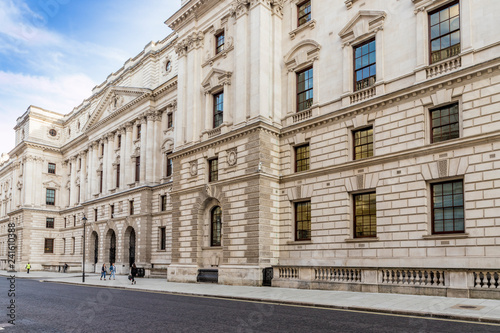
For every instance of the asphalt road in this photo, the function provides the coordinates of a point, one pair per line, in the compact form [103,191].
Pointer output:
[53,307]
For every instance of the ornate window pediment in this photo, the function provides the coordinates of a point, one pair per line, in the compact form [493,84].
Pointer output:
[216,79]
[51,184]
[303,54]
[366,22]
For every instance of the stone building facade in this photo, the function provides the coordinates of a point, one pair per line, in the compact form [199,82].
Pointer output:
[350,145]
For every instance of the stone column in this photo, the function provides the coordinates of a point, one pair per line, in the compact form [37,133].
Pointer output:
[83,175]
[129,176]
[28,186]
[38,181]
[72,182]
[122,157]
[95,178]
[228,110]
[110,153]
[181,50]
[158,140]
[90,171]
[144,133]
[149,158]
[291,78]
[241,68]
[209,112]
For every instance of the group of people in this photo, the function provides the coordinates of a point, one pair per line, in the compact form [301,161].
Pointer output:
[112,271]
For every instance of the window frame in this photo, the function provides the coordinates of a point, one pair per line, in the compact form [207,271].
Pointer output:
[138,137]
[162,239]
[433,222]
[117,175]
[297,160]
[219,48]
[354,48]
[367,128]
[53,202]
[49,222]
[170,166]
[170,120]
[163,203]
[305,91]
[131,207]
[48,246]
[458,122]
[218,115]
[299,5]
[429,30]
[137,169]
[355,216]
[215,238]
[213,174]
[51,168]
[296,205]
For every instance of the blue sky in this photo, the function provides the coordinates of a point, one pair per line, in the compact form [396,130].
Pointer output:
[53,52]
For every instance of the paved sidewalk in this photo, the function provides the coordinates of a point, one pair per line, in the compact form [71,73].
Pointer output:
[430,306]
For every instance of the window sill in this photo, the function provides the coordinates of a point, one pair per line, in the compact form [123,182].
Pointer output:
[221,54]
[361,240]
[446,236]
[311,24]
[301,242]
[211,247]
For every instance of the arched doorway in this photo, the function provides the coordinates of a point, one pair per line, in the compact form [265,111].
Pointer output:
[131,248]
[95,241]
[112,246]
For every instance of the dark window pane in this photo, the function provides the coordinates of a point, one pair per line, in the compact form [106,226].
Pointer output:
[448,208]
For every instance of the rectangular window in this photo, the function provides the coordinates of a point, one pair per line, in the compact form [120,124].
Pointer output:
[444,123]
[131,207]
[49,245]
[79,164]
[169,166]
[304,89]
[302,158]
[219,43]
[365,71]
[303,12]
[65,222]
[102,149]
[95,214]
[448,207]
[363,143]
[137,168]
[213,170]
[218,109]
[101,175]
[365,215]
[49,222]
[52,168]
[138,131]
[303,220]
[118,175]
[73,241]
[163,203]
[119,141]
[64,245]
[112,210]
[444,26]
[163,238]
[50,197]
[74,220]
[170,120]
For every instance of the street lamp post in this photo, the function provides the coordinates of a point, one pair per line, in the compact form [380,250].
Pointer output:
[84,219]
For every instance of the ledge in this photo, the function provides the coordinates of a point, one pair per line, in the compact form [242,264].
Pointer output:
[311,24]
[305,242]
[211,247]
[446,236]
[361,240]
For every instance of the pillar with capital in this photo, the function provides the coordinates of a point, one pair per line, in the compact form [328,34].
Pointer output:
[149,159]
[110,153]
[144,134]
[83,175]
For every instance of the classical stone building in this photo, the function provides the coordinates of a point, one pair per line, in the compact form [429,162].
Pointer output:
[349,145]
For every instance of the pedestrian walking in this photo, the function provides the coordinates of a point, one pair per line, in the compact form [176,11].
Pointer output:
[112,271]
[133,272]
[28,267]
[103,272]
[65,267]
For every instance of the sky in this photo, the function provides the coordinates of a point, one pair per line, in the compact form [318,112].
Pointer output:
[53,52]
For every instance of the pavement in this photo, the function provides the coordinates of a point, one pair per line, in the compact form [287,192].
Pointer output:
[467,309]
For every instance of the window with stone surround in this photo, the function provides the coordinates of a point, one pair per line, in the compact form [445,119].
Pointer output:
[138,132]
[49,222]
[101,175]
[303,12]
[50,197]
[95,214]
[170,120]
[365,215]
[73,245]
[365,67]
[216,226]
[163,238]
[49,245]
[112,210]
[118,175]
[304,89]
[137,168]
[213,170]
[52,168]
[448,207]
[444,32]
[163,202]
[445,123]
[363,143]
[131,207]
[219,42]
[302,158]
[303,221]
[170,165]
[218,109]
[119,143]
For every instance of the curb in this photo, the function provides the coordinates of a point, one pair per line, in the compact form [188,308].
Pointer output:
[418,314]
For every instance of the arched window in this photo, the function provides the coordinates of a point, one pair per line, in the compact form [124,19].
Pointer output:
[216,226]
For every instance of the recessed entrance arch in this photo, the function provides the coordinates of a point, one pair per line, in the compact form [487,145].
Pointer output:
[111,240]
[95,247]
[130,245]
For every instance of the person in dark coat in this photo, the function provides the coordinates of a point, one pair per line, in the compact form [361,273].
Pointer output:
[133,272]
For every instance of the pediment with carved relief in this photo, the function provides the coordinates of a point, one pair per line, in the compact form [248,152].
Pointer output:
[216,78]
[362,24]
